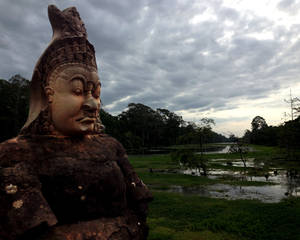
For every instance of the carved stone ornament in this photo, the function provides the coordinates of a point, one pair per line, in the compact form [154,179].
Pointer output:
[62,177]
[69,45]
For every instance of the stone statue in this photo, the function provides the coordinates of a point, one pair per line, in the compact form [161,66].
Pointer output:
[62,177]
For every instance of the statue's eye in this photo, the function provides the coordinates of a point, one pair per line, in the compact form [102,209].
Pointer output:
[78,91]
[96,93]
[77,86]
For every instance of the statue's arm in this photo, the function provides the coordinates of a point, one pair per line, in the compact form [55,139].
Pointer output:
[23,209]
[138,193]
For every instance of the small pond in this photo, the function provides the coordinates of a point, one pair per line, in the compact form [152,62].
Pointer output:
[266,193]
[219,149]
[211,149]
[216,150]
[274,183]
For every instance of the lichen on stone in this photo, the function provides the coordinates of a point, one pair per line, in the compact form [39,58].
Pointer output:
[17,203]
[11,189]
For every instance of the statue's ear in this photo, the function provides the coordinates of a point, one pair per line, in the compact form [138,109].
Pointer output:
[49,93]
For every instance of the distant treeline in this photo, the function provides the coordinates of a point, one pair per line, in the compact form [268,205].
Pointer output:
[14,104]
[138,127]
[286,135]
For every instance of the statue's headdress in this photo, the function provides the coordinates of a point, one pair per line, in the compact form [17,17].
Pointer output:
[69,44]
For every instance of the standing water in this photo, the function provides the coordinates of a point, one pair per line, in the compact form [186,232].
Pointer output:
[262,183]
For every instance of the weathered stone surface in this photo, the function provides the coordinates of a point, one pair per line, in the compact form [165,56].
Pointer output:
[69,46]
[62,178]
[66,180]
[127,227]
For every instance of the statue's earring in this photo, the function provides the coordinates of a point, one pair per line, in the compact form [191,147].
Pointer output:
[49,93]
[46,123]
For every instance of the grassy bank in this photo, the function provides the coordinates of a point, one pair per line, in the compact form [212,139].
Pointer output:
[175,216]
[163,171]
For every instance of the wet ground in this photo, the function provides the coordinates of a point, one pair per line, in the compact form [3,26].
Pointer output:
[265,193]
[220,149]
[264,183]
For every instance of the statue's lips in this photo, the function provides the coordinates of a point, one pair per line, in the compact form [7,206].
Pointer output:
[86,120]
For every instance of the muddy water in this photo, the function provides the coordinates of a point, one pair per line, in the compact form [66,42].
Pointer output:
[219,149]
[223,149]
[267,193]
[283,182]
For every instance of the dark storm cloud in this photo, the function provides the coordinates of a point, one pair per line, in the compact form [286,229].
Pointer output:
[171,54]
[18,49]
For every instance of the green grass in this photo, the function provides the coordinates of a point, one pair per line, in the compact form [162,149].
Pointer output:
[197,146]
[167,179]
[152,161]
[176,216]
[159,180]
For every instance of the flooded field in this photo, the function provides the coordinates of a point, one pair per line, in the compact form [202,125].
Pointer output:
[267,193]
[220,149]
[269,184]
[224,194]
[249,179]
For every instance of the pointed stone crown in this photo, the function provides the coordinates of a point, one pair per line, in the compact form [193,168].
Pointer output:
[69,43]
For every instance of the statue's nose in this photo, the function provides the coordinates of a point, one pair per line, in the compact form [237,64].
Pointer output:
[91,103]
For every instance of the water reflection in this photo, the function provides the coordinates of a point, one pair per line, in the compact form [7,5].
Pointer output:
[267,193]
[217,150]
[285,182]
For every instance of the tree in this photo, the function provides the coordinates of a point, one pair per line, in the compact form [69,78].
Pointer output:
[294,103]
[203,130]
[258,123]
[14,106]
[240,148]
[155,128]
[187,158]
[171,124]
[247,136]
[111,124]
[288,138]
[232,138]
[141,121]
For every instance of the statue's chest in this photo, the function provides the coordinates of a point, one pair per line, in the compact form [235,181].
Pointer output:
[89,183]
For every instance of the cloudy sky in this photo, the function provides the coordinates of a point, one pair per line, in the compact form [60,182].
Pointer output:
[229,60]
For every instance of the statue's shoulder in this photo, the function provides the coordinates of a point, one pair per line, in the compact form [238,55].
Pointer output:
[105,138]
[13,144]
[14,148]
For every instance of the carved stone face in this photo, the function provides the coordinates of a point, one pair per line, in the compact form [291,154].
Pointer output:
[74,98]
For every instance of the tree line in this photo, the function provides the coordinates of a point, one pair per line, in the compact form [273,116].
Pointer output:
[140,126]
[137,127]
[286,135]
[14,106]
